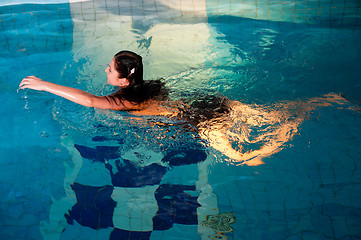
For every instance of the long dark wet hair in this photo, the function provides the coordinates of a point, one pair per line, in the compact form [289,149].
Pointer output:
[129,65]
[203,108]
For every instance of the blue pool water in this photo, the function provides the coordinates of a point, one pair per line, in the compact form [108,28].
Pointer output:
[70,172]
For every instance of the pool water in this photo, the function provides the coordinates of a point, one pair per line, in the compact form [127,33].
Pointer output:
[70,172]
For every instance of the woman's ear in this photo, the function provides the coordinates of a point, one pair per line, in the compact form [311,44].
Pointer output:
[123,82]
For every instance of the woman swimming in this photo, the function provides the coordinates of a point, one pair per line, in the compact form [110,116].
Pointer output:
[124,71]
[244,133]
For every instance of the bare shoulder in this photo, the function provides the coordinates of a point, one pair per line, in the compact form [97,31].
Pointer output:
[153,108]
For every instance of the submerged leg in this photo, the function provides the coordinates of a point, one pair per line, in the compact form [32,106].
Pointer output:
[269,126]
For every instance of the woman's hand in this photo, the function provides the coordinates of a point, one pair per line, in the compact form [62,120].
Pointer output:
[33,82]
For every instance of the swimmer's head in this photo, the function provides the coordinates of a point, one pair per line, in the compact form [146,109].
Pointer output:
[129,65]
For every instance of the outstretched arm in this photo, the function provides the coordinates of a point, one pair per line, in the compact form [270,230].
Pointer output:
[72,94]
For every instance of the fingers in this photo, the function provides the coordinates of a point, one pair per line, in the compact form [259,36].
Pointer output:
[30,78]
[23,83]
[26,82]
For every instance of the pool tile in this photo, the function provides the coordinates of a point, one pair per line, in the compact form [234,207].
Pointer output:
[139,203]
[325,223]
[122,234]
[175,205]
[187,175]
[311,235]
[94,207]
[76,231]
[340,227]
[178,231]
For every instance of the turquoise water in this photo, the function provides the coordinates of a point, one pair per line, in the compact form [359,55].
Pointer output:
[69,172]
